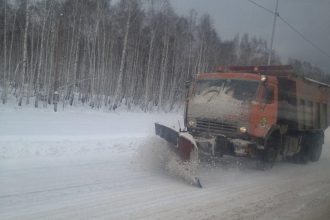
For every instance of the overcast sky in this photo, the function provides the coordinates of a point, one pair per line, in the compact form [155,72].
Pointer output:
[310,17]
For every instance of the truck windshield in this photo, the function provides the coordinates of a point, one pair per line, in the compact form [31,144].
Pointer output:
[243,90]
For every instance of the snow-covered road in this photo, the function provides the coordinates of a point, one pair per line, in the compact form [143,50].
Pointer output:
[94,165]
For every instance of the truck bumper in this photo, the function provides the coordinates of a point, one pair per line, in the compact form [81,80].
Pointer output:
[221,145]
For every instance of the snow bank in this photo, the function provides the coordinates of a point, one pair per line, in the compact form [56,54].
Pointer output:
[40,122]
[26,133]
[34,149]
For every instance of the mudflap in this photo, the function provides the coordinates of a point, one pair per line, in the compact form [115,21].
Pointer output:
[184,146]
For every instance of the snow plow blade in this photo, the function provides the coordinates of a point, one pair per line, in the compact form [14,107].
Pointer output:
[168,134]
[184,146]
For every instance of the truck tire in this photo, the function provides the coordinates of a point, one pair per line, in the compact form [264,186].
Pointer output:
[271,150]
[315,149]
[303,156]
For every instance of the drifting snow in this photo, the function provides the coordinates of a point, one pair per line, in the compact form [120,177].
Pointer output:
[156,154]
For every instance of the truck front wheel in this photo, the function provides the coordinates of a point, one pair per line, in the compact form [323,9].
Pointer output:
[271,150]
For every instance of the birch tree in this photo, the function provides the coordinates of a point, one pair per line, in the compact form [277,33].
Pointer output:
[25,58]
[105,54]
[118,90]
[4,93]
[41,53]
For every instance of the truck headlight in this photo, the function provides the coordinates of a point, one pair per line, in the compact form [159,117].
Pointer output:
[192,123]
[243,129]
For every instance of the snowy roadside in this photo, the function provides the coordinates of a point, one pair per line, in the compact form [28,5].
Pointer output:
[38,132]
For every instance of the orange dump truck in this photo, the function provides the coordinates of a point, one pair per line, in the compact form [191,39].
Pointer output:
[263,112]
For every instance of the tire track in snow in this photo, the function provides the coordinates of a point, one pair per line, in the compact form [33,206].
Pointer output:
[133,192]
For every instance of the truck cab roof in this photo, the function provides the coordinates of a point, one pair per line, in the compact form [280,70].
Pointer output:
[255,73]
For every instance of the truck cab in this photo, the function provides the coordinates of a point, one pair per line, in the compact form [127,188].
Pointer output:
[243,111]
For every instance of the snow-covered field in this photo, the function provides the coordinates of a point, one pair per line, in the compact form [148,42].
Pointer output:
[96,165]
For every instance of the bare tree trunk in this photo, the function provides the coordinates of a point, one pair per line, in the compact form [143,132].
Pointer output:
[75,64]
[11,46]
[56,94]
[48,62]
[147,86]
[4,93]
[72,51]
[41,55]
[30,67]
[102,64]
[52,59]
[24,53]
[163,72]
[122,62]
[200,56]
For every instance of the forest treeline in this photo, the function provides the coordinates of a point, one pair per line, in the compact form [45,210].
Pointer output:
[107,54]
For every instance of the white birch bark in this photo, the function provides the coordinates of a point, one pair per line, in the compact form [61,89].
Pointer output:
[163,72]
[147,86]
[4,92]
[24,71]
[45,15]
[118,90]
[11,47]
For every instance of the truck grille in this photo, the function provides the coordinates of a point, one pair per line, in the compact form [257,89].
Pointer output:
[214,127]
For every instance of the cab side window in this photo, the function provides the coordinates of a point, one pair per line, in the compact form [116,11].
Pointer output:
[268,96]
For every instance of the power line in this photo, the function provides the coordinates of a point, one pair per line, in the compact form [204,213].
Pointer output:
[292,28]
[305,38]
[260,6]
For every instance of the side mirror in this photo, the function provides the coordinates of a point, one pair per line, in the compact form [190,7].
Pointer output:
[268,95]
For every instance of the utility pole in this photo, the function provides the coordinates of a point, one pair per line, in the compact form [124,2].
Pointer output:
[276,14]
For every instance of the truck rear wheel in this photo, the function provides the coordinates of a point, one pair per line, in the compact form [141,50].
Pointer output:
[315,148]
[303,156]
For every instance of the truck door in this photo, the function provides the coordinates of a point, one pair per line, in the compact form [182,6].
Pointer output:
[264,111]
